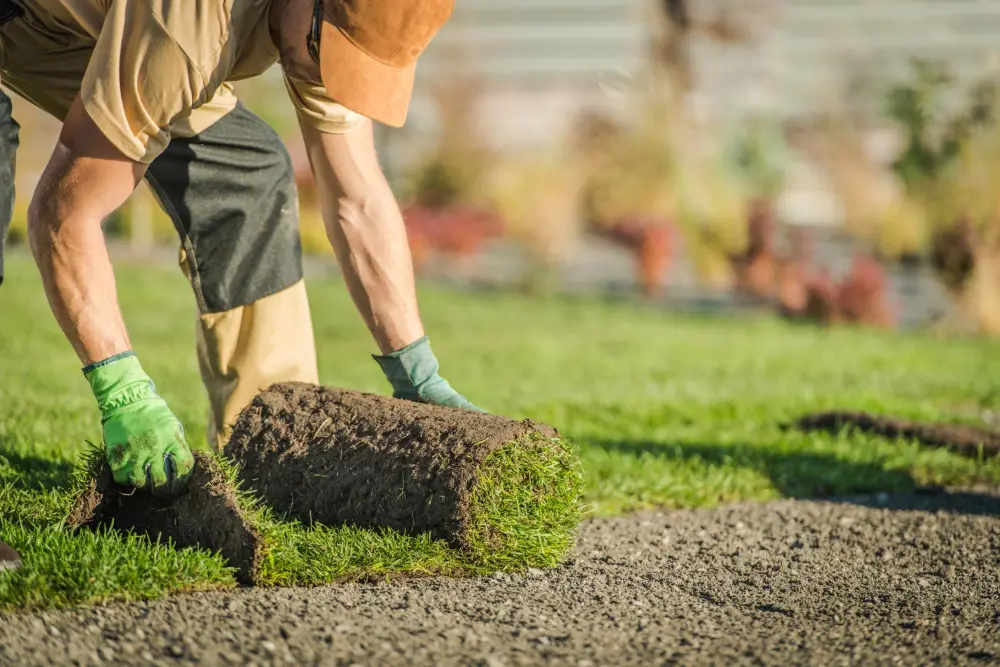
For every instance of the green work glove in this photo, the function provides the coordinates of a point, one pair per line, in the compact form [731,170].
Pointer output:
[144,440]
[413,374]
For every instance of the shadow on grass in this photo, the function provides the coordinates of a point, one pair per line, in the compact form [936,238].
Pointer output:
[821,476]
[795,474]
[33,472]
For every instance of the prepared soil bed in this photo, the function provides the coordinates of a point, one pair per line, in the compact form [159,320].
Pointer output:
[906,579]
[960,438]
[498,490]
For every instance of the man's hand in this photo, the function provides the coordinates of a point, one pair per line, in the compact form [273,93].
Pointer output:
[413,373]
[144,440]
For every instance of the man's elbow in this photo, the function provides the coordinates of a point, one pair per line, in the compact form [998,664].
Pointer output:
[42,225]
[49,214]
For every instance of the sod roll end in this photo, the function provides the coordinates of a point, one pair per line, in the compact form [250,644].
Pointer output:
[207,514]
[505,493]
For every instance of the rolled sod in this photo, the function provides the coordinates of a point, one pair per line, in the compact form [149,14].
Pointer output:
[504,493]
[207,514]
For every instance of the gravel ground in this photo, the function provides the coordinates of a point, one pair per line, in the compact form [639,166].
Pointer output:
[903,579]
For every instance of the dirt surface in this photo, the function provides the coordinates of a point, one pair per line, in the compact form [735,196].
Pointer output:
[206,514]
[343,457]
[960,438]
[904,579]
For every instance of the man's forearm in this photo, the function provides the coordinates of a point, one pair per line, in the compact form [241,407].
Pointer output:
[83,182]
[367,233]
[79,281]
[370,242]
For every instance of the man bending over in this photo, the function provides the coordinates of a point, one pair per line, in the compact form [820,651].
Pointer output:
[144,91]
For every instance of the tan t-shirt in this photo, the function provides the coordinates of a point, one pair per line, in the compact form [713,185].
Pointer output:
[150,69]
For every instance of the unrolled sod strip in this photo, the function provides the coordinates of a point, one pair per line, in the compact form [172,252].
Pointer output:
[504,492]
[208,514]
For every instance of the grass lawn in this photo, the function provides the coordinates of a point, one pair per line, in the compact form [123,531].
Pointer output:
[667,410]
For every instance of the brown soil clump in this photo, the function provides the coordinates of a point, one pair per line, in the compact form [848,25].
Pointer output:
[205,515]
[962,439]
[341,457]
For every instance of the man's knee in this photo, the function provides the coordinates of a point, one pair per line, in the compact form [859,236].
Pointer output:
[232,196]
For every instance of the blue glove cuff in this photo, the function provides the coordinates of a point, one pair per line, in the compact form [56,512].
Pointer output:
[413,373]
[409,368]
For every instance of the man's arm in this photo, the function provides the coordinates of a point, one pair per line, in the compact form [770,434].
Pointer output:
[366,229]
[86,179]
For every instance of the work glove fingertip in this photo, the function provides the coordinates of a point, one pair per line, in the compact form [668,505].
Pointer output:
[121,476]
[182,461]
[166,488]
[116,455]
[180,476]
[134,476]
[156,473]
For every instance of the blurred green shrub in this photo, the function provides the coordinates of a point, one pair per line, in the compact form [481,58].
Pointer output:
[876,206]
[714,216]
[18,232]
[633,167]
[312,231]
[761,157]
[658,172]
[950,166]
[965,246]
[453,170]
[934,132]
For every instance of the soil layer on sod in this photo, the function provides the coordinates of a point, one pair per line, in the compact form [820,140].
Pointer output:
[207,514]
[905,579]
[960,438]
[498,490]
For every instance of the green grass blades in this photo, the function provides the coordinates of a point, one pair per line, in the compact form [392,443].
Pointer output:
[63,569]
[525,506]
[647,454]
[300,556]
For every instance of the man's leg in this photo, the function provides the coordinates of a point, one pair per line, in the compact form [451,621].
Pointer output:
[9,559]
[231,194]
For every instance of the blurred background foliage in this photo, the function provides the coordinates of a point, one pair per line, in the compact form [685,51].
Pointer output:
[659,181]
